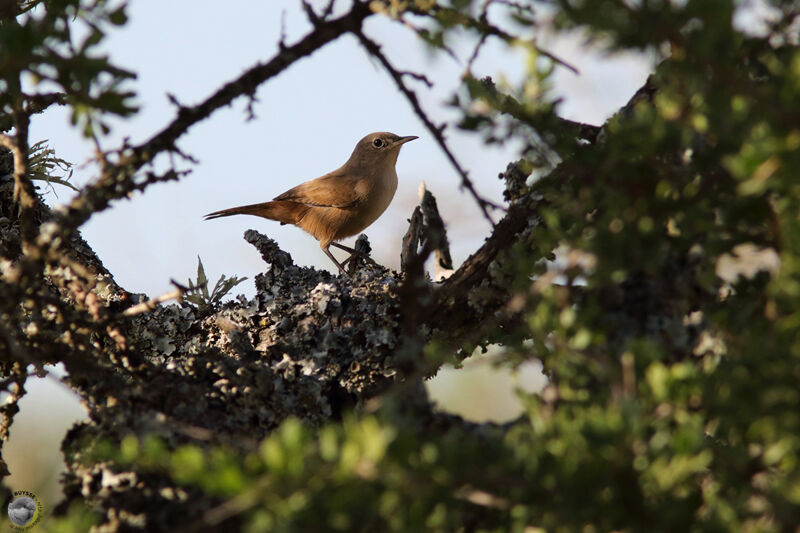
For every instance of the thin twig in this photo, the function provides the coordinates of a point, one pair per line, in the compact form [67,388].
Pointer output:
[475,52]
[375,50]
[328,10]
[485,28]
[417,76]
[313,18]
[117,181]
[151,304]
[33,104]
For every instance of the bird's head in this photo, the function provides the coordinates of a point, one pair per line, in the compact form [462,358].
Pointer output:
[377,150]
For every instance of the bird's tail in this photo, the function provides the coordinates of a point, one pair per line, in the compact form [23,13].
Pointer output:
[285,212]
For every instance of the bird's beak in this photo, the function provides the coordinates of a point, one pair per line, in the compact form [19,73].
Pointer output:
[403,140]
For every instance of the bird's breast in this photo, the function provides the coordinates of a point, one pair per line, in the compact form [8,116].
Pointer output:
[380,196]
[377,195]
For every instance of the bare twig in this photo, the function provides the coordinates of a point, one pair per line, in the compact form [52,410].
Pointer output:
[359,255]
[426,234]
[435,234]
[282,38]
[475,52]
[411,240]
[116,180]
[33,104]
[328,10]
[486,28]
[312,16]
[417,76]
[375,50]
[151,304]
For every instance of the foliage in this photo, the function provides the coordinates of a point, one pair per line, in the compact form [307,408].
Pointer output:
[44,163]
[198,290]
[55,44]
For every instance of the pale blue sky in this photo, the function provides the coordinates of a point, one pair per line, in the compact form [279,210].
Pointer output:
[307,122]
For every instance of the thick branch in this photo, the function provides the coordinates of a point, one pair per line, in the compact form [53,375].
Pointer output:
[456,311]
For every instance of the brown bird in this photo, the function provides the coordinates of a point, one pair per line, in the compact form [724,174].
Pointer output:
[341,203]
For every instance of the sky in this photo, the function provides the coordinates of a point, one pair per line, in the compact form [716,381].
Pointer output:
[307,122]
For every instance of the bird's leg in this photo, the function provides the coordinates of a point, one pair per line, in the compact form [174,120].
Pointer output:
[352,251]
[346,248]
[335,262]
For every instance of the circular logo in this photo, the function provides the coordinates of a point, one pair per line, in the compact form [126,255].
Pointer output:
[24,510]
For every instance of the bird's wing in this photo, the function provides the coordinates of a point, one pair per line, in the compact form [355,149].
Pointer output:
[331,190]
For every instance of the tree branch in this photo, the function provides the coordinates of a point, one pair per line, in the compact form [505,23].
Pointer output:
[116,180]
[375,50]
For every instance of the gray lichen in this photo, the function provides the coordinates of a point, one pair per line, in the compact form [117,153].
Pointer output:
[307,345]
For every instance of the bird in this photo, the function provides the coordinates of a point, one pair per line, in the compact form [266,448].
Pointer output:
[341,203]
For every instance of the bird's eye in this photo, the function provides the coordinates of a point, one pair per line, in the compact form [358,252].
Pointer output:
[377,143]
